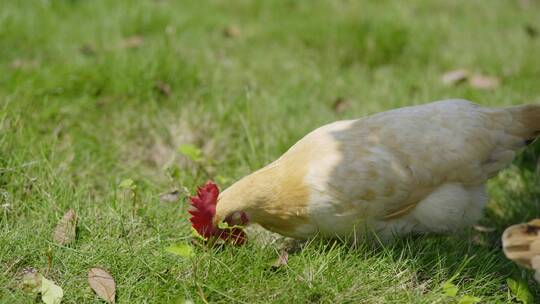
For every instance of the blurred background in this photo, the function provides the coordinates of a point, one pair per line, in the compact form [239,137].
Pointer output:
[230,70]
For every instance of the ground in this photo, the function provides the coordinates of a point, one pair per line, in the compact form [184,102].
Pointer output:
[93,93]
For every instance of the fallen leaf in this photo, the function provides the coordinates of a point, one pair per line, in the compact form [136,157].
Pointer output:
[102,283]
[181,300]
[281,260]
[30,280]
[469,300]
[66,229]
[232,31]
[182,250]
[50,292]
[163,88]
[127,184]
[191,152]
[130,42]
[520,290]
[170,197]
[341,105]
[449,289]
[455,77]
[484,229]
[483,82]
[531,31]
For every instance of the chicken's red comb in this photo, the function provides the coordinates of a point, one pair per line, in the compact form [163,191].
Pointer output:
[203,212]
[204,209]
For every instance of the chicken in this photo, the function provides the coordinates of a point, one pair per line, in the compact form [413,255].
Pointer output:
[414,169]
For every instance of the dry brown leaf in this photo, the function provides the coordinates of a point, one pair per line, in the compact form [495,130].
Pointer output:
[131,42]
[66,229]
[163,88]
[484,229]
[483,82]
[170,197]
[102,283]
[341,105]
[282,259]
[232,31]
[455,77]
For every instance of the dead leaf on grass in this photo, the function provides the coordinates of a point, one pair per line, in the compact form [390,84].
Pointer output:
[131,42]
[66,229]
[102,283]
[232,31]
[455,77]
[484,82]
[50,292]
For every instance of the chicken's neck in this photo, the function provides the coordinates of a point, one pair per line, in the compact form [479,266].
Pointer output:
[249,194]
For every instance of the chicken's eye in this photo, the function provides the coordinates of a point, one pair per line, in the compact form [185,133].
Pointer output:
[237,218]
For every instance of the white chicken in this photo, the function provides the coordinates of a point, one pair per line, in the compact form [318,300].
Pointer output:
[414,169]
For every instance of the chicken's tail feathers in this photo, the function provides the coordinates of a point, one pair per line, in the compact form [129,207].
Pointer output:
[527,121]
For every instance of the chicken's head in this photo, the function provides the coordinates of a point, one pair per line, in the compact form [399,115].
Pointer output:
[202,217]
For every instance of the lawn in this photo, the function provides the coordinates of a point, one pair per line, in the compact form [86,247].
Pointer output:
[94,93]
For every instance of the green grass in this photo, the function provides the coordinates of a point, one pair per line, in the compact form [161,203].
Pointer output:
[79,113]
